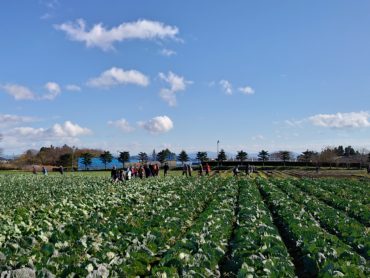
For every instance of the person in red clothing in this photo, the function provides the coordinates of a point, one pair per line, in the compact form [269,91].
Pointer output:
[208,169]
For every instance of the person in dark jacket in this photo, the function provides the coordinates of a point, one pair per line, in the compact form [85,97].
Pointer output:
[113,174]
[185,170]
[165,169]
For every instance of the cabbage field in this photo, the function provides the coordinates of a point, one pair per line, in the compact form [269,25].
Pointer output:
[85,226]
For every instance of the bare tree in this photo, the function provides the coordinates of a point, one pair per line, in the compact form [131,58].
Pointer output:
[328,155]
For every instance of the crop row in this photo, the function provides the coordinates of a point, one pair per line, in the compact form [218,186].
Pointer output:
[348,229]
[349,204]
[200,251]
[322,254]
[82,233]
[358,190]
[258,249]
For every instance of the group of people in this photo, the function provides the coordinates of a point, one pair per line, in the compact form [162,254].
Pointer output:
[248,169]
[44,170]
[142,171]
[187,170]
[204,169]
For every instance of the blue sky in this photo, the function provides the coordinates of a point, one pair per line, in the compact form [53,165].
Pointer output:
[138,75]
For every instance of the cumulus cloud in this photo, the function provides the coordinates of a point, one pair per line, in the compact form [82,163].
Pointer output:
[11,120]
[176,83]
[19,92]
[247,90]
[66,130]
[117,76]
[99,36]
[53,90]
[167,52]
[226,86]
[73,88]
[342,120]
[122,124]
[159,124]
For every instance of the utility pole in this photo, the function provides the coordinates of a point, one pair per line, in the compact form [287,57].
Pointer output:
[218,160]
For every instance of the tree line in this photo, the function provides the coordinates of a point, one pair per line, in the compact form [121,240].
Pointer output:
[68,156]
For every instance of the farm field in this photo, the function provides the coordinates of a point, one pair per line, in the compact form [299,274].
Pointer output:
[86,226]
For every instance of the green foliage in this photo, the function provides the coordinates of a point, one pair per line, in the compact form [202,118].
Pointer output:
[65,160]
[202,156]
[86,159]
[183,157]
[79,226]
[241,156]
[106,157]
[165,155]
[323,254]
[284,156]
[124,157]
[143,157]
[221,156]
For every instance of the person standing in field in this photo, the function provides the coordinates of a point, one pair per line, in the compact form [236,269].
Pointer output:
[208,169]
[147,171]
[247,172]
[34,170]
[165,169]
[236,171]
[113,174]
[200,169]
[128,174]
[189,170]
[141,172]
[121,175]
[61,170]
[185,170]
[44,171]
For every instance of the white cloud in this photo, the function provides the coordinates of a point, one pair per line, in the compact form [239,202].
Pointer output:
[159,124]
[342,120]
[226,86]
[66,130]
[247,90]
[11,120]
[19,92]
[73,88]
[53,90]
[117,76]
[177,83]
[122,124]
[167,52]
[99,36]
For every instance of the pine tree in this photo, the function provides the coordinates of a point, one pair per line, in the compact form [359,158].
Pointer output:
[143,157]
[241,156]
[183,157]
[86,159]
[222,156]
[106,157]
[124,157]
[263,156]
